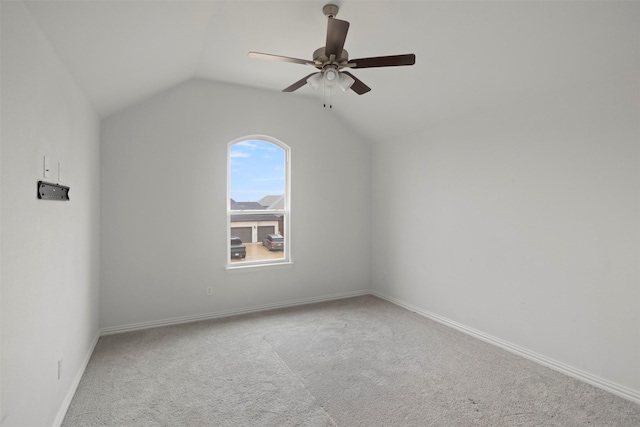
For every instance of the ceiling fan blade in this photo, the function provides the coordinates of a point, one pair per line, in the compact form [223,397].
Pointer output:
[384,61]
[357,86]
[271,57]
[336,36]
[297,85]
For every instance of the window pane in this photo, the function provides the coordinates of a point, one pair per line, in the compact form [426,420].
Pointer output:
[257,175]
[256,240]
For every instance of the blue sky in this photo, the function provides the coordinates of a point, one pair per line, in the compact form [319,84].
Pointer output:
[257,170]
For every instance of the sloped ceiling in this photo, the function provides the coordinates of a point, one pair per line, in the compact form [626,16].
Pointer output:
[471,56]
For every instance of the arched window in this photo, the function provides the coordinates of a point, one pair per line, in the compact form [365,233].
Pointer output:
[258,187]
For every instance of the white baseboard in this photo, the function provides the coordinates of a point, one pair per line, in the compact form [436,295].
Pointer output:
[74,385]
[227,313]
[611,387]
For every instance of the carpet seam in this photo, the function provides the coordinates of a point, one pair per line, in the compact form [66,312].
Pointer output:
[297,377]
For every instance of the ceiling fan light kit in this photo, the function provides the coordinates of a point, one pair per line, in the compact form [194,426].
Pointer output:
[345,82]
[330,76]
[331,59]
[316,80]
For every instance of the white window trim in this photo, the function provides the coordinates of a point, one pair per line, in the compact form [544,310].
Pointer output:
[286,261]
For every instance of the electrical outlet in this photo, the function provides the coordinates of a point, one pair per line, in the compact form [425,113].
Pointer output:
[60,368]
[209,290]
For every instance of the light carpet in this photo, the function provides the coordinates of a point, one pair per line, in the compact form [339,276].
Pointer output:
[353,362]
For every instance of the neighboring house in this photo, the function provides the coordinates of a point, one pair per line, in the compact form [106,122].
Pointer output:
[253,228]
[272,202]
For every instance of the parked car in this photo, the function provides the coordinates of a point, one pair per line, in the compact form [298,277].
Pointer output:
[238,249]
[273,242]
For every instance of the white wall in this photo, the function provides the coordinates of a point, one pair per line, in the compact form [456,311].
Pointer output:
[529,226]
[163,189]
[50,260]
[530,220]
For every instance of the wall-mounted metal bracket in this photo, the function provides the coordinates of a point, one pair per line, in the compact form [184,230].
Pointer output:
[49,191]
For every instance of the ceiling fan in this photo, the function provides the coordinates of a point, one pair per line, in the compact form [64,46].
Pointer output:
[333,58]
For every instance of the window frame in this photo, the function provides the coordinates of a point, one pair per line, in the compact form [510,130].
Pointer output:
[285,212]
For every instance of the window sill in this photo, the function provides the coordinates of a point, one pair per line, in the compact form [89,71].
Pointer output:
[233,269]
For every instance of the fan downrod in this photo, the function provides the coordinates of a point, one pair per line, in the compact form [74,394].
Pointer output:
[330,10]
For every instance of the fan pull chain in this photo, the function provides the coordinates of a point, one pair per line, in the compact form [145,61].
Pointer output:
[324,93]
[324,96]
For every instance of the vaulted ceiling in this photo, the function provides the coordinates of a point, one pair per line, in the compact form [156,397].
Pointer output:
[470,56]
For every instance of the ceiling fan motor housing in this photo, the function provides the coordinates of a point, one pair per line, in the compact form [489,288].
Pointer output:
[321,59]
